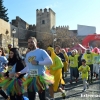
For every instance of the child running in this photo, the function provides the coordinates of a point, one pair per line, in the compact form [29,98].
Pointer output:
[84,69]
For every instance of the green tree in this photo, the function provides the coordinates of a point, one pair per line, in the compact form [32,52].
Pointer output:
[3,12]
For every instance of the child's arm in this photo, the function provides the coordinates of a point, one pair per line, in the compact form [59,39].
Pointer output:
[80,68]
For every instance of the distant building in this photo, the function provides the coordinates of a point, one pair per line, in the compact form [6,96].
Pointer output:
[84,30]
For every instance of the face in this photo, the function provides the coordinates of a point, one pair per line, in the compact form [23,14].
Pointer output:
[11,54]
[79,51]
[73,53]
[63,51]
[48,51]
[57,49]
[88,51]
[96,51]
[0,52]
[31,44]
[9,46]
[83,63]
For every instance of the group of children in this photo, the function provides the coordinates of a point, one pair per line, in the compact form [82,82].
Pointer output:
[89,65]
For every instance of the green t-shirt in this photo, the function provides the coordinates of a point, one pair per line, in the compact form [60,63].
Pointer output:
[73,61]
[89,58]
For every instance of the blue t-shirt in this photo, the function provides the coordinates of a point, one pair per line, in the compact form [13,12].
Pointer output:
[3,61]
[38,55]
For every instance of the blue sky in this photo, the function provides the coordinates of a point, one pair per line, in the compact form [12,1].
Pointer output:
[68,12]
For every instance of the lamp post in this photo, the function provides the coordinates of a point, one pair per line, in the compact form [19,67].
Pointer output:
[13,32]
[53,31]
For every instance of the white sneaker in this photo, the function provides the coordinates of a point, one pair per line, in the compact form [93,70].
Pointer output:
[37,94]
[83,90]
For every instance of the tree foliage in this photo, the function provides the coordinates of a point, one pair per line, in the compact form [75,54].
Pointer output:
[3,12]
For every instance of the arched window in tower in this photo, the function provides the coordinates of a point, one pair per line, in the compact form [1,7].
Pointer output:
[43,21]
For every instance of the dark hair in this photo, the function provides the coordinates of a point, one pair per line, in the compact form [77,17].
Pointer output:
[17,59]
[3,53]
[83,60]
[16,56]
[58,46]
[50,46]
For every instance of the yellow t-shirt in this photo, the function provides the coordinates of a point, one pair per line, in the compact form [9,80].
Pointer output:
[89,58]
[73,61]
[84,69]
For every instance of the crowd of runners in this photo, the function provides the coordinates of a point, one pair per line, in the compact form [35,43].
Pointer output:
[42,68]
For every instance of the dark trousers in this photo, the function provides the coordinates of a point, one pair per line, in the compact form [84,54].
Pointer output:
[16,97]
[91,70]
[3,94]
[74,72]
[32,95]
[63,73]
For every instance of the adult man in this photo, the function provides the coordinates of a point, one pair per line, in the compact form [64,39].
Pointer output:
[58,53]
[35,61]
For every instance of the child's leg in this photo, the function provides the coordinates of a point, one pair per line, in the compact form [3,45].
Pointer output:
[83,83]
[86,84]
[71,74]
[97,71]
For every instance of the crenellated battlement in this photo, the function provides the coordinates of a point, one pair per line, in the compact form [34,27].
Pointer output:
[32,27]
[42,11]
[62,27]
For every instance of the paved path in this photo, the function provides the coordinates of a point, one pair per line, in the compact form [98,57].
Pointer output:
[74,91]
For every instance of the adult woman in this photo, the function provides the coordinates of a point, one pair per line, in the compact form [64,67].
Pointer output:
[15,65]
[3,67]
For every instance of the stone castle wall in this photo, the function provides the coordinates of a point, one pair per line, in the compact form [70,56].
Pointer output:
[18,22]
[4,27]
[45,20]
[20,36]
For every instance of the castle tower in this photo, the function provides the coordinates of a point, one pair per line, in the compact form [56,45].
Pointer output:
[45,20]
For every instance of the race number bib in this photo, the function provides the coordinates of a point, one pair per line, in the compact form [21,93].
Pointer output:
[10,68]
[33,72]
[89,61]
[72,62]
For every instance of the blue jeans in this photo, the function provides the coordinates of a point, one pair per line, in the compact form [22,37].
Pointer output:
[74,72]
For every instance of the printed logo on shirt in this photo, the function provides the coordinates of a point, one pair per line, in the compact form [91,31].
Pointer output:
[30,59]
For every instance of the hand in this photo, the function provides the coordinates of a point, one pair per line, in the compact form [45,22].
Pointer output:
[34,62]
[17,74]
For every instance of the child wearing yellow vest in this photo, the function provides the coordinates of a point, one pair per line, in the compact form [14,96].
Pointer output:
[84,69]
